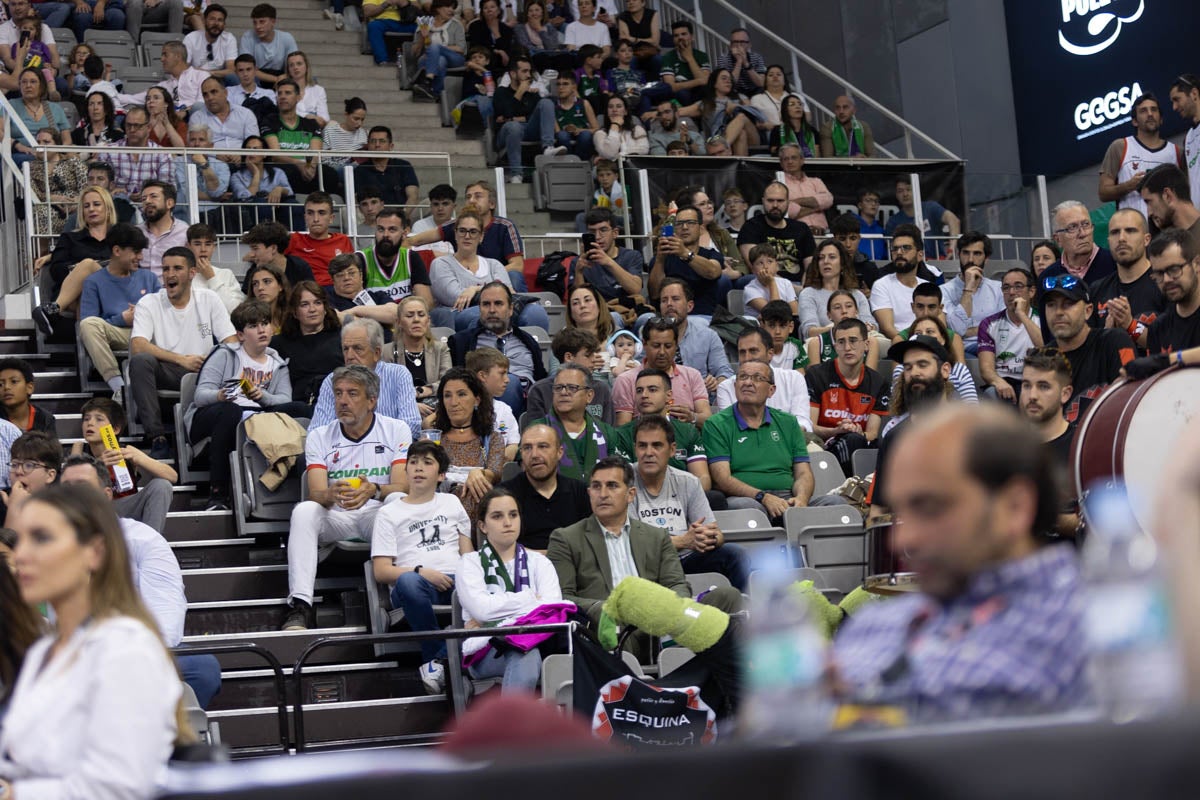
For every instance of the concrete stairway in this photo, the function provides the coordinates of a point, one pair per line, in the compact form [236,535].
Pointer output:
[340,67]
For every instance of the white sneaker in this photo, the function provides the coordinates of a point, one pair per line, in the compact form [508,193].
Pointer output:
[554,151]
[433,675]
[516,179]
[328,12]
[339,22]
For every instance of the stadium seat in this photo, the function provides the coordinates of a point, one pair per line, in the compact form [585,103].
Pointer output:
[561,183]
[798,520]
[543,340]
[256,509]
[827,474]
[745,526]
[382,618]
[186,451]
[672,658]
[456,683]
[703,581]
[100,36]
[558,679]
[863,461]
[555,310]
[735,301]
[837,552]
[442,334]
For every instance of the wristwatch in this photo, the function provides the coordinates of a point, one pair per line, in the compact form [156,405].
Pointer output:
[688,256]
[758,498]
[378,492]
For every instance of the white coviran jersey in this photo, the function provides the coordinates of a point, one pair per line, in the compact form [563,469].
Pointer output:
[370,458]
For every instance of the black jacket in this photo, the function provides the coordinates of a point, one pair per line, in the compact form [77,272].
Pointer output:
[464,342]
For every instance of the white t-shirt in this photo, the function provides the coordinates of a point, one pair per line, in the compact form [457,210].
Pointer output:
[1191,154]
[506,422]
[791,395]
[189,330]
[10,34]
[371,458]
[428,224]
[579,34]
[754,290]
[889,292]
[225,48]
[258,373]
[424,534]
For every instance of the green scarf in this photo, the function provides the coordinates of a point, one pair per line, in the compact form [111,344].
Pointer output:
[841,147]
[495,574]
[788,136]
[580,454]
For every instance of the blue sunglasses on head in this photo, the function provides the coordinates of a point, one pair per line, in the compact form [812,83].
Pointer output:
[1067,282]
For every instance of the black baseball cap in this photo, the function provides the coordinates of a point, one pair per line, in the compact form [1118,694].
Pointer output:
[897,351]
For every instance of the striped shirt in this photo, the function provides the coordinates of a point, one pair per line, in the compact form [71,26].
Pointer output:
[397,397]
[133,170]
[338,138]
[620,554]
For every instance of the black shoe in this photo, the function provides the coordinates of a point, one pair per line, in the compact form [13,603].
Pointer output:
[42,315]
[218,502]
[160,449]
[423,92]
[300,617]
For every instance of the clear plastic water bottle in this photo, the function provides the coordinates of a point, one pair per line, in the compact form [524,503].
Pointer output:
[1136,665]
[784,698]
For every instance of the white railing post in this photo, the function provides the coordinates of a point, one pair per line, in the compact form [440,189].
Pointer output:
[918,214]
[193,192]
[644,204]
[1044,206]
[351,201]
[501,195]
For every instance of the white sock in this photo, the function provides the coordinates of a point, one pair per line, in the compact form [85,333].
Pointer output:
[116,383]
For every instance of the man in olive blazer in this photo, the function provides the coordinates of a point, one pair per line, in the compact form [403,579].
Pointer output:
[580,552]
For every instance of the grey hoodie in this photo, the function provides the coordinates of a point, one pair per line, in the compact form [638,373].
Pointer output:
[224,364]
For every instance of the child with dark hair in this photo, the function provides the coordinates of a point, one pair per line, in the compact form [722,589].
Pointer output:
[16,387]
[236,379]
[148,504]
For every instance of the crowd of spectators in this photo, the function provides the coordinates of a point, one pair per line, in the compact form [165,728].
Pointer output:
[640,426]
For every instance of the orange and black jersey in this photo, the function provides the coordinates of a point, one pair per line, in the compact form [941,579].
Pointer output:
[839,400]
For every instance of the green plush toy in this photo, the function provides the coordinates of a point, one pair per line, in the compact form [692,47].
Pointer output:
[828,616]
[658,611]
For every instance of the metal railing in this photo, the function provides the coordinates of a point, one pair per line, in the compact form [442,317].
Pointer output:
[714,42]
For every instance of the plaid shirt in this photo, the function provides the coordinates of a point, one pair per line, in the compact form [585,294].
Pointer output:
[1012,643]
[134,170]
[8,435]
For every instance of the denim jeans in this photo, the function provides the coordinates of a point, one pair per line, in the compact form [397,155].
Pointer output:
[538,127]
[417,597]
[203,674]
[519,672]
[55,15]
[578,145]
[436,61]
[376,29]
[730,560]
[114,20]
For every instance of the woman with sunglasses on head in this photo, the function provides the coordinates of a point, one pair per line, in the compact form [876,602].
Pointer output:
[97,708]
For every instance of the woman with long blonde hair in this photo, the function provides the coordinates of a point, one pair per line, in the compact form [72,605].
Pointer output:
[96,711]
[77,254]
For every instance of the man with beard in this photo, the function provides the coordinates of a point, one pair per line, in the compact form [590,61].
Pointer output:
[1185,99]
[162,230]
[173,332]
[669,127]
[1005,336]
[793,240]
[892,295]
[924,383]
[494,328]
[547,500]
[396,270]
[845,135]
[997,627]
[1129,299]
[1174,265]
[1130,158]
[1045,390]
[1096,354]
[970,297]
[1169,200]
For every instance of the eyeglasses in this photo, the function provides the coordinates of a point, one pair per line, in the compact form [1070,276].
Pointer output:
[468,231]
[1173,272]
[746,377]
[1013,287]
[739,41]
[903,248]
[1067,282]
[568,388]
[1076,228]
[135,126]
[686,223]
[24,467]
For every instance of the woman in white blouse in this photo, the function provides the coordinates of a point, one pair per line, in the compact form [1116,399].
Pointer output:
[313,102]
[621,134]
[499,582]
[96,710]
[770,99]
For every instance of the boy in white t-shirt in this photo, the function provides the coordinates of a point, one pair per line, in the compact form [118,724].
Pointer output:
[491,367]
[173,332]
[767,285]
[415,546]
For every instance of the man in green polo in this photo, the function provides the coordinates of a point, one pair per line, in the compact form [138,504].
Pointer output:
[652,395]
[757,455]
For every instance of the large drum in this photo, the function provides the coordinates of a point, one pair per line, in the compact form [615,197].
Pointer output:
[887,572]
[1127,432]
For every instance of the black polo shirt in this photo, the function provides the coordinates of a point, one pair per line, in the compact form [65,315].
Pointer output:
[541,516]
